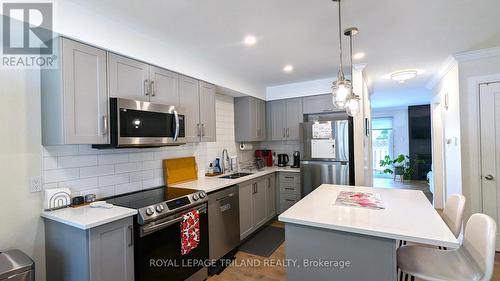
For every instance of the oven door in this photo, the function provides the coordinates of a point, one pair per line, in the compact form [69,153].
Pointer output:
[147,124]
[158,249]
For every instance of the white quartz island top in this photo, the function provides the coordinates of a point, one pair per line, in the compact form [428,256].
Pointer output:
[408,215]
[211,184]
[86,217]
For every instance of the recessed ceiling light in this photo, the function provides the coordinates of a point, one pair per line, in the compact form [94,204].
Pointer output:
[288,68]
[404,75]
[359,56]
[250,40]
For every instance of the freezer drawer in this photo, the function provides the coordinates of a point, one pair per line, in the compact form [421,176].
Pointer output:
[316,173]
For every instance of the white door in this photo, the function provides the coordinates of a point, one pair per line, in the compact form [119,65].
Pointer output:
[128,78]
[489,95]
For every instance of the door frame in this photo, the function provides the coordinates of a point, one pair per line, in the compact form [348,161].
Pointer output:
[438,152]
[473,180]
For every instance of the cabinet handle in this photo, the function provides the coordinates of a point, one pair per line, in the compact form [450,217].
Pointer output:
[290,178]
[153,90]
[131,229]
[284,132]
[104,124]
[199,130]
[146,87]
[287,132]
[202,130]
[289,188]
[289,200]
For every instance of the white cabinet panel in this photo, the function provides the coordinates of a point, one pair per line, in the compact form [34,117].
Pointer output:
[128,78]
[190,100]
[164,86]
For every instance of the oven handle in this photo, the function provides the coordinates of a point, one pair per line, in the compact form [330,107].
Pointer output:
[146,230]
[176,115]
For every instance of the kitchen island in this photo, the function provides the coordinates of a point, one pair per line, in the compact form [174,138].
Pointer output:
[333,242]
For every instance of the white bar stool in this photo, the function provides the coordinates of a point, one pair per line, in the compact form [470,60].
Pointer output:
[473,261]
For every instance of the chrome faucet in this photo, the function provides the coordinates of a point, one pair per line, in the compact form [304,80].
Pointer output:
[225,160]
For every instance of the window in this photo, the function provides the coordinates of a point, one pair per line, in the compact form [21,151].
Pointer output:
[383,145]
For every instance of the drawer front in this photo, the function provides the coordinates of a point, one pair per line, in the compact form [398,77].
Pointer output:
[290,189]
[287,201]
[289,178]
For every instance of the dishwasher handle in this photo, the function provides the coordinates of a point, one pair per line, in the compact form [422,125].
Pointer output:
[225,197]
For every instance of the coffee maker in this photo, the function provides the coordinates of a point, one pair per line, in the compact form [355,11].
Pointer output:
[296,160]
[283,160]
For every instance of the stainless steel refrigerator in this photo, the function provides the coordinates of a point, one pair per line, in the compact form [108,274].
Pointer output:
[327,155]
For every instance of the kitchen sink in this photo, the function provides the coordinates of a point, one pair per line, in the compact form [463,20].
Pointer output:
[235,176]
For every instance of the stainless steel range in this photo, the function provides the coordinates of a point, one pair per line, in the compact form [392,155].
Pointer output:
[157,247]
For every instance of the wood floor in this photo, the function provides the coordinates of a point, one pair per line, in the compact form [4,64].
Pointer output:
[277,273]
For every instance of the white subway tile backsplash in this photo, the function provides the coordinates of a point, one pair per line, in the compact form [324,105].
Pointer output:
[143,156]
[108,172]
[80,184]
[49,163]
[96,171]
[60,175]
[77,161]
[128,167]
[105,159]
[113,179]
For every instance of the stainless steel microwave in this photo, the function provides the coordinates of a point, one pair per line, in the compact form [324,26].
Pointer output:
[143,124]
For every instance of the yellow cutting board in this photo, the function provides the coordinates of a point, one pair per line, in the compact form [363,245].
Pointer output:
[180,170]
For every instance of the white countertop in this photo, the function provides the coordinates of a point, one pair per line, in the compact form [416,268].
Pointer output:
[86,217]
[211,184]
[408,215]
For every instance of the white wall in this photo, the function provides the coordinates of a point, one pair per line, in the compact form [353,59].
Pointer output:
[399,127]
[451,119]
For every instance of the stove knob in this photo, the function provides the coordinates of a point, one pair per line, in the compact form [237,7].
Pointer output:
[195,197]
[202,194]
[159,208]
[150,211]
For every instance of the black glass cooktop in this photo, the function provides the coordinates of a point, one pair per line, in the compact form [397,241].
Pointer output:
[144,198]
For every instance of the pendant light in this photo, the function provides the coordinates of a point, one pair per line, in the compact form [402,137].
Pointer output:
[342,88]
[352,105]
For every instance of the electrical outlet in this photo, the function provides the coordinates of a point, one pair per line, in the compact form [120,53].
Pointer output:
[35,184]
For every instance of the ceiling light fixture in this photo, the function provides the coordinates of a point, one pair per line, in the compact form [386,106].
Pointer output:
[403,75]
[288,68]
[359,56]
[342,88]
[353,103]
[250,40]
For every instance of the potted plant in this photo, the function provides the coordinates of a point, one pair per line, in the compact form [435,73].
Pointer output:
[402,166]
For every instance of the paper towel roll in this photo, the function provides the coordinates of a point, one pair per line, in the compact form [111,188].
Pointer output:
[246,146]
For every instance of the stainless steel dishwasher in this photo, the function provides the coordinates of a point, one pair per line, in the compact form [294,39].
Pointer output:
[223,221]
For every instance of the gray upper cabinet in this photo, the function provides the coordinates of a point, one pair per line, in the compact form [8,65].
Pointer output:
[286,116]
[128,78]
[207,112]
[74,96]
[249,119]
[294,117]
[164,86]
[190,101]
[318,104]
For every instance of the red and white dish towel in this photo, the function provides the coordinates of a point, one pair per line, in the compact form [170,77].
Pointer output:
[190,231]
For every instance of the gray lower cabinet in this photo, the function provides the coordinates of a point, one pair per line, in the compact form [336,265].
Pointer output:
[249,119]
[289,190]
[286,116]
[257,204]
[317,104]
[101,253]
[74,96]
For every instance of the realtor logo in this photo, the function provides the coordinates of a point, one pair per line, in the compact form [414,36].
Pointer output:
[27,28]
[27,36]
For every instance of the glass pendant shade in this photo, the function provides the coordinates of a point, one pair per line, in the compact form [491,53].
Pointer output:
[341,90]
[353,105]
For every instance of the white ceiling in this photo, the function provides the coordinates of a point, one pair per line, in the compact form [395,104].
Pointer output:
[394,34]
